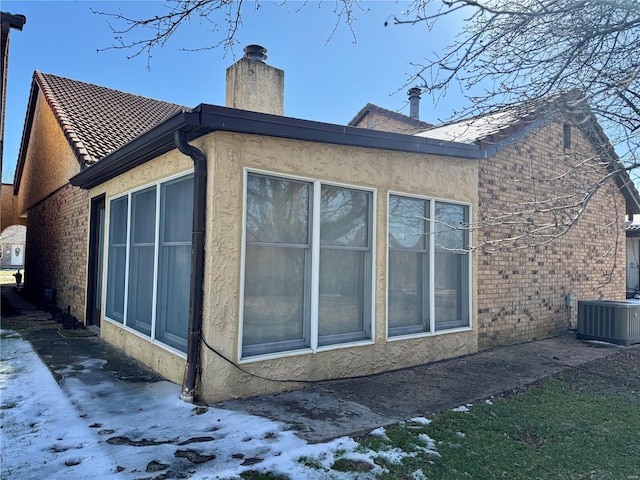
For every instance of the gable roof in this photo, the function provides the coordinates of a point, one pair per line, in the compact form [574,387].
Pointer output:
[398,117]
[487,129]
[95,120]
[493,131]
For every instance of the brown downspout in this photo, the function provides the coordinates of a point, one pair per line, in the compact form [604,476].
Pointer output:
[197,263]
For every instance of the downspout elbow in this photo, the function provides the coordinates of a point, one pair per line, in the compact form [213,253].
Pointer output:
[196,293]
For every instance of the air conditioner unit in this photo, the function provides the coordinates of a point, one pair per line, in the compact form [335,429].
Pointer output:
[609,321]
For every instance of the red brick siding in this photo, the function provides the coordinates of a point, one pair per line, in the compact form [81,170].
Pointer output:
[57,248]
[522,292]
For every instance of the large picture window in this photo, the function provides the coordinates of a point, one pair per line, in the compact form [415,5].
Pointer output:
[149,261]
[428,266]
[307,277]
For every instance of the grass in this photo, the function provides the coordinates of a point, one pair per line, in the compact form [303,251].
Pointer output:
[576,426]
[550,431]
[583,424]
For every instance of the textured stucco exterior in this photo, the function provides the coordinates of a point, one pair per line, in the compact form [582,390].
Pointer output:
[9,214]
[256,86]
[522,292]
[167,362]
[228,157]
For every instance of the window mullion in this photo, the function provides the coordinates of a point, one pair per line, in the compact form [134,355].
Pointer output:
[315,264]
[156,253]
[125,319]
[469,267]
[432,267]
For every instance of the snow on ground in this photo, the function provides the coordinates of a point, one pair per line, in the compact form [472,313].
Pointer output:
[85,429]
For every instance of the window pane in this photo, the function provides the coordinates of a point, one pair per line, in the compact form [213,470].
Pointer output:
[277,210]
[172,317]
[115,283]
[408,307]
[142,259]
[177,211]
[451,267]
[118,221]
[174,269]
[343,313]
[408,283]
[451,290]
[140,304]
[116,268]
[143,211]
[344,215]
[275,306]
[451,221]
[407,222]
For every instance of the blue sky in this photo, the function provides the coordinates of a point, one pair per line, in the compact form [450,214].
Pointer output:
[327,78]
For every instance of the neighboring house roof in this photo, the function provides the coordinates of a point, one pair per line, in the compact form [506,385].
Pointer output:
[490,128]
[633,230]
[492,132]
[395,116]
[95,120]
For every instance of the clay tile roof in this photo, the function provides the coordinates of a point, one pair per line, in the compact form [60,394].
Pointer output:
[98,120]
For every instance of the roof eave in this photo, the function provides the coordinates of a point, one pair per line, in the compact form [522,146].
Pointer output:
[150,144]
[590,126]
[206,119]
[26,133]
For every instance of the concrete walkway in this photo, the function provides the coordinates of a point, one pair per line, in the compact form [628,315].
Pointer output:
[341,407]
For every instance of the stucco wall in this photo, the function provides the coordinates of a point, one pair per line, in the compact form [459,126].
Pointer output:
[166,362]
[49,160]
[9,214]
[522,292]
[385,171]
[228,154]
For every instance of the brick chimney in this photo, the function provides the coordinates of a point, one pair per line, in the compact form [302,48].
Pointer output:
[254,85]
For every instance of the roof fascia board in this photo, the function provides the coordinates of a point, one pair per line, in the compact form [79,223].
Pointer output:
[205,119]
[592,129]
[513,138]
[364,111]
[243,121]
[26,134]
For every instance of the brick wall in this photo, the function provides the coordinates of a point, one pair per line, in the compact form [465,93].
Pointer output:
[57,248]
[522,288]
[378,121]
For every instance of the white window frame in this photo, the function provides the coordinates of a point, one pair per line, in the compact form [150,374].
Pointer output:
[315,270]
[431,261]
[123,324]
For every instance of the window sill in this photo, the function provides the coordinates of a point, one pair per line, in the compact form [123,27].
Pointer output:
[153,342]
[305,351]
[428,334]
